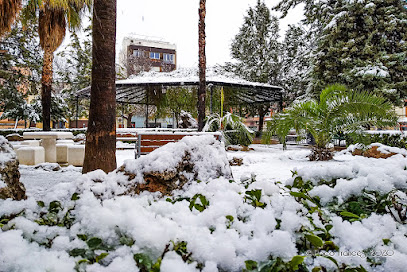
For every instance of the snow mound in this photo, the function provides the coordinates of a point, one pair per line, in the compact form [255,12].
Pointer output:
[207,155]
[354,179]
[384,149]
[170,167]
[389,149]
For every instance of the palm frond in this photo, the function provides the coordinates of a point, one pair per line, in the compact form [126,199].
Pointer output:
[9,10]
[363,108]
[329,92]
[337,110]
[52,27]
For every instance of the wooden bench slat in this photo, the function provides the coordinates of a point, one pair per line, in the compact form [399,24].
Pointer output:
[126,134]
[155,143]
[150,142]
[148,149]
[162,137]
[124,139]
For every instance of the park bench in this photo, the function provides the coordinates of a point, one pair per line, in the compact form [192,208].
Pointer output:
[150,141]
[126,137]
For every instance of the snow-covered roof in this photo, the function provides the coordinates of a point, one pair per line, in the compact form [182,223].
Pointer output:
[136,89]
[190,76]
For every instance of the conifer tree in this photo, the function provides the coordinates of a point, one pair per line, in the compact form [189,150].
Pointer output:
[257,51]
[296,56]
[256,47]
[20,70]
[75,71]
[368,37]
[359,43]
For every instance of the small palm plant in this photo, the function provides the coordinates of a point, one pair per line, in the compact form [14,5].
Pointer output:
[232,128]
[338,110]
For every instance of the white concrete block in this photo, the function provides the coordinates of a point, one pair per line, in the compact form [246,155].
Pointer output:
[30,143]
[62,153]
[17,146]
[65,142]
[76,155]
[50,147]
[48,135]
[31,155]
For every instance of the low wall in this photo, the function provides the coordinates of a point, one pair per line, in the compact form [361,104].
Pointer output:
[5,132]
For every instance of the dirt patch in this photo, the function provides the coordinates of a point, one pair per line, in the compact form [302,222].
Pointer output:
[372,152]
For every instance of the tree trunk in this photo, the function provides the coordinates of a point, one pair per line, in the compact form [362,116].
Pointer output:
[129,125]
[320,154]
[100,151]
[46,82]
[202,65]
[176,119]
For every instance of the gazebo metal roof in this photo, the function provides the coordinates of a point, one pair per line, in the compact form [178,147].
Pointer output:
[147,87]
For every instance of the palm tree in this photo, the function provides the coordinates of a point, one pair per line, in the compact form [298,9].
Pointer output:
[100,151]
[202,65]
[52,28]
[338,110]
[53,18]
[8,12]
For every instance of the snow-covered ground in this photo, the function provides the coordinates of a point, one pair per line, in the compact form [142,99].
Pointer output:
[230,224]
[270,162]
[267,162]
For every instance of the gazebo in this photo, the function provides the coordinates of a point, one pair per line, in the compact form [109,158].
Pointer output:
[149,87]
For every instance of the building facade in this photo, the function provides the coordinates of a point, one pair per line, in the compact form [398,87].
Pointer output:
[138,55]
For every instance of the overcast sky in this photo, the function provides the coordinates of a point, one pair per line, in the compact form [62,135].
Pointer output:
[176,21]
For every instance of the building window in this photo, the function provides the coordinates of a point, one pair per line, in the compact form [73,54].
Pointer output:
[169,58]
[137,53]
[154,55]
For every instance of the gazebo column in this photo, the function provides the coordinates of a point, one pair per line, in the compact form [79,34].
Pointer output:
[211,95]
[147,109]
[77,111]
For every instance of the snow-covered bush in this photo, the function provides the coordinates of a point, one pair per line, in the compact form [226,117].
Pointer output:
[395,139]
[234,131]
[337,110]
[186,120]
[342,218]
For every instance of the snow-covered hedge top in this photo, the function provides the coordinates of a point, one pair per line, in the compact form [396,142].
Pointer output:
[380,175]
[385,149]
[6,151]
[207,154]
[189,75]
[389,132]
